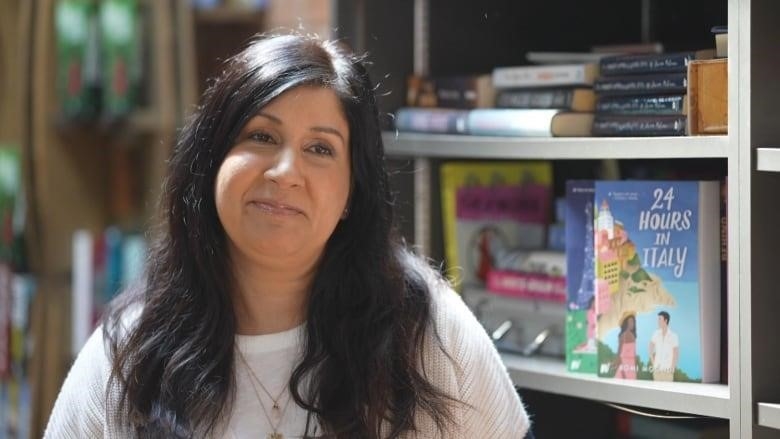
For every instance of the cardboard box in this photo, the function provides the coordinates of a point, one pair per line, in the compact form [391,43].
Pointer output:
[708,93]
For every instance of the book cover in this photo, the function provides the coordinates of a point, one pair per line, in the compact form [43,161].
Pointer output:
[545,75]
[657,282]
[489,208]
[655,84]
[580,306]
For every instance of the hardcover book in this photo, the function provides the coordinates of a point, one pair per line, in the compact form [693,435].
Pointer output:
[431,120]
[657,282]
[471,91]
[650,63]
[580,305]
[676,105]
[572,99]
[528,123]
[545,76]
[620,125]
[655,84]
[489,209]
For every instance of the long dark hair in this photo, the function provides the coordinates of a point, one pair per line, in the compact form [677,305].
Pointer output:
[369,308]
[624,325]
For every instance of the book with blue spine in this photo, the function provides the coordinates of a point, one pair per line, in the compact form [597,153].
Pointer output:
[651,84]
[643,105]
[657,284]
[580,307]
[650,62]
[639,125]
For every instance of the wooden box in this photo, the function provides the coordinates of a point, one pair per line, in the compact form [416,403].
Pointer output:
[708,96]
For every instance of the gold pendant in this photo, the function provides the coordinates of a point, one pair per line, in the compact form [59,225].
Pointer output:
[275,435]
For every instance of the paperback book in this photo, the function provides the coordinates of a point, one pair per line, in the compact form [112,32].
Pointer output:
[490,209]
[580,308]
[657,284]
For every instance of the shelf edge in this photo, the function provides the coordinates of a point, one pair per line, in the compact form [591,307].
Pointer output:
[769,415]
[550,376]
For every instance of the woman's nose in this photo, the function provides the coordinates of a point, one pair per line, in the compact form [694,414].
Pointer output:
[285,171]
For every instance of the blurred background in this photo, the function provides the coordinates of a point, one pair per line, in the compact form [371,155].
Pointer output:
[92,93]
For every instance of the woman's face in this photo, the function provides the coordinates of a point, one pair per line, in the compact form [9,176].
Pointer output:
[284,185]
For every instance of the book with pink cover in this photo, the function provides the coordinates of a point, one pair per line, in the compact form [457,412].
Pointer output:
[489,209]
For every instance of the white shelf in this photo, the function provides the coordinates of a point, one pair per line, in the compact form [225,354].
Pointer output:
[769,415]
[768,159]
[550,375]
[482,147]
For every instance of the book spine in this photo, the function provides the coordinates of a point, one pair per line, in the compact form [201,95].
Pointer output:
[82,285]
[510,122]
[527,285]
[642,85]
[463,92]
[580,274]
[540,76]
[5,320]
[643,64]
[431,120]
[642,105]
[639,125]
[559,98]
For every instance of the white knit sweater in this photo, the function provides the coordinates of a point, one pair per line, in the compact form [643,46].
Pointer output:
[475,375]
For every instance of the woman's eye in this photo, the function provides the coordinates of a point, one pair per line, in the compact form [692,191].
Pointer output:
[321,149]
[259,136]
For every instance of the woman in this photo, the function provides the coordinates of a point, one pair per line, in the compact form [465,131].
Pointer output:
[626,357]
[278,301]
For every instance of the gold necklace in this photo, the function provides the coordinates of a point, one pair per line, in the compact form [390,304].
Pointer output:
[252,379]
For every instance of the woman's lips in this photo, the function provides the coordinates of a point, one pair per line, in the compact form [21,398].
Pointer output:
[275,208]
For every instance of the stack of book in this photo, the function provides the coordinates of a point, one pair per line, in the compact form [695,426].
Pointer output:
[643,95]
[521,101]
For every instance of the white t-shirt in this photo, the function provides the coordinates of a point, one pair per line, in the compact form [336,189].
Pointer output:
[471,371]
[664,349]
[272,358]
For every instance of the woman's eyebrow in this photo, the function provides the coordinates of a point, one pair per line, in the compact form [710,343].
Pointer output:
[270,117]
[329,130]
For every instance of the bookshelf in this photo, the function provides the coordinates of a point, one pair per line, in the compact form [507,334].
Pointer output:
[550,375]
[69,167]
[71,170]
[555,148]
[468,37]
